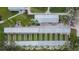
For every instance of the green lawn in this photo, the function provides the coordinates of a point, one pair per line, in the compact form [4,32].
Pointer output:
[57,9]
[38,9]
[1,32]
[5,13]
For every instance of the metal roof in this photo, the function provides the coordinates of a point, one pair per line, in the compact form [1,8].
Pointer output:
[16,8]
[47,18]
[38,29]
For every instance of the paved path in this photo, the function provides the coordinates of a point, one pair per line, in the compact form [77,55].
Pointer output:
[16,15]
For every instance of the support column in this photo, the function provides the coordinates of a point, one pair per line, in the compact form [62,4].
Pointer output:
[35,36]
[38,36]
[31,37]
[45,36]
[24,37]
[66,39]
[41,37]
[9,38]
[14,37]
[56,36]
[53,36]
[19,37]
[50,36]
[61,36]
[27,37]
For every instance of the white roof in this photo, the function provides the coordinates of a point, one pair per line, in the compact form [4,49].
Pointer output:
[40,43]
[47,18]
[16,8]
[38,29]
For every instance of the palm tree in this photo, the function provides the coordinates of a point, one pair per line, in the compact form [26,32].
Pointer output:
[64,19]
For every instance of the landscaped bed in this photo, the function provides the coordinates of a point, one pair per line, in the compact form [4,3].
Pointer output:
[38,9]
[57,9]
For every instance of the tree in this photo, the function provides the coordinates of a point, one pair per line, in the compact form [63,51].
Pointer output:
[73,38]
[2,39]
[64,19]
[34,22]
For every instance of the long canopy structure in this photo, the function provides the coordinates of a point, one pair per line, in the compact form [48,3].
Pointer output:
[38,29]
[47,18]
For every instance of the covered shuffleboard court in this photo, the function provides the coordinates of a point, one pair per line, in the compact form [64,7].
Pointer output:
[38,35]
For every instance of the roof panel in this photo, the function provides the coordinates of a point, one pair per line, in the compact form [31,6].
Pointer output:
[41,29]
[47,18]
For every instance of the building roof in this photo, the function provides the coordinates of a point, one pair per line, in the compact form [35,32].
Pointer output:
[38,29]
[16,8]
[47,18]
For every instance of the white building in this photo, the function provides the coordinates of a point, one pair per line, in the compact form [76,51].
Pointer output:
[17,8]
[47,18]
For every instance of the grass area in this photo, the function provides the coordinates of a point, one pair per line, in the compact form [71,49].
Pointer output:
[5,13]
[57,9]
[1,32]
[25,19]
[38,9]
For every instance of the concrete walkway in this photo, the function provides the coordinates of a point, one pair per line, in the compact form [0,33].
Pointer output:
[16,15]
